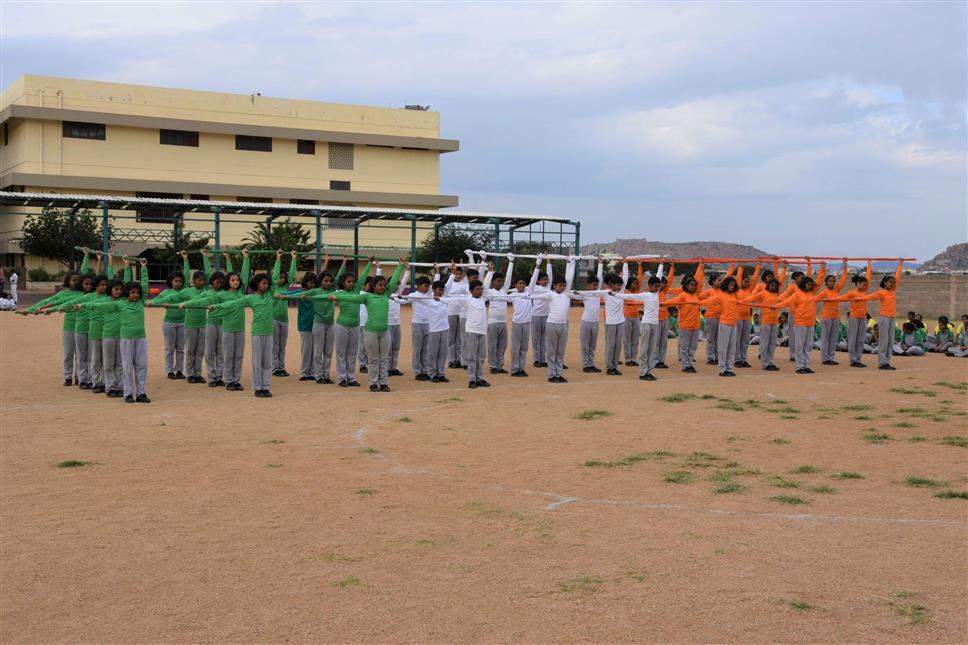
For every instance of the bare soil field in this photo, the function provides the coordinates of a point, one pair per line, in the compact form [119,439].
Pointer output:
[770,507]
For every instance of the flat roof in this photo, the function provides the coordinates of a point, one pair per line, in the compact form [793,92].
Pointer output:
[358,213]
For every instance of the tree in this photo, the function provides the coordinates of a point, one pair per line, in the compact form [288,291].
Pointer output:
[286,235]
[51,234]
[167,254]
[451,242]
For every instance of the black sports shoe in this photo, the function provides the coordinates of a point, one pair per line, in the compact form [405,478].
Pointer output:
[68,383]
[711,362]
[180,376]
[647,377]
[809,371]
[536,364]
[689,370]
[501,370]
[662,366]
[772,368]
[553,379]
[472,385]
[171,376]
[727,373]
[374,388]
[443,379]
[422,377]
[307,378]
[354,383]
[267,394]
[829,363]
[143,398]
[564,367]
[613,372]
[129,399]
[799,370]
[258,394]
[220,383]
[342,383]
[85,386]
[742,364]
[562,379]
[434,379]
[632,363]
[522,373]
[363,369]
[98,389]
[483,383]
[886,366]
[394,373]
[587,370]
[277,372]
[384,388]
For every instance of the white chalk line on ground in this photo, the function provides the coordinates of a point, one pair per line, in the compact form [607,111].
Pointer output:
[563,500]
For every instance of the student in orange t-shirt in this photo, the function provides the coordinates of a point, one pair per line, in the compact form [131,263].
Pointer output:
[744,314]
[795,279]
[664,292]
[830,316]
[633,320]
[688,303]
[769,322]
[712,312]
[725,298]
[803,306]
[887,295]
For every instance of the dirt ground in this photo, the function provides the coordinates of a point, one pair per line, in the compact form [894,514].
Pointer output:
[437,513]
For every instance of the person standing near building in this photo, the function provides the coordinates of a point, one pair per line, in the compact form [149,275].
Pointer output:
[14,280]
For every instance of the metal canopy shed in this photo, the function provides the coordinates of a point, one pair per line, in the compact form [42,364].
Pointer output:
[505,225]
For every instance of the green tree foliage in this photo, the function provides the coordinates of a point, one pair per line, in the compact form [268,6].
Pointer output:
[51,234]
[168,256]
[282,234]
[451,242]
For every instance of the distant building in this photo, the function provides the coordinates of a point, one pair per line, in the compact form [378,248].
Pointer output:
[88,137]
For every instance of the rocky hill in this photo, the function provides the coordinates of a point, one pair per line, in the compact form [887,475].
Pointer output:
[674,250]
[953,258]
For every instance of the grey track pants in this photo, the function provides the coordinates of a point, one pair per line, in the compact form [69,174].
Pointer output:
[96,357]
[134,360]
[556,341]
[803,337]
[280,338]
[80,349]
[856,334]
[497,344]
[885,339]
[712,339]
[194,350]
[346,341]
[174,334]
[767,346]
[725,346]
[539,326]
[324,340]
[419,337]
[475,345]
[454,339]
[613,345]
[630,339]
[213,352]
[649,356]
[306,354]
[663,340]
[435,360]
[262,354]
[113,365]
[520,335]
[395,338]
[688,342]
[588,339]
[233,350]
[377,356]
[829,329]
[361,351]
[70,350]
[742,339]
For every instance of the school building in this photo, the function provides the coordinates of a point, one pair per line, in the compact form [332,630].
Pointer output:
[81,137]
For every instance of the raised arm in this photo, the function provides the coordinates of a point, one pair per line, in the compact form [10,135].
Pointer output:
[206,265]
[403,282]
[395,278]
[898,272]
[569,274]
[85,262]
[534,277]
[600,273]
[668,285]
[508,274]
[700,275]
[144,278]
[488,276]
[625,274]
[245,270]
[186,268]
[843,278]
[360,278]
[293,266]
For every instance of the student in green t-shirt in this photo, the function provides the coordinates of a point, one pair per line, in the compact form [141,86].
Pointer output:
[376,335]
[262,305]
[346,336]
[280,315]
[195,320]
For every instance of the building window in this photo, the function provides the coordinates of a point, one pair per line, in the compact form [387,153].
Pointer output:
[377,145]
[256,200]
[158,214]
[306,147]
[199,198]
[79,130]
[409,148]
[179,138]
[306,202]
[259,144]
[6,133]
[341,156]
[339,185]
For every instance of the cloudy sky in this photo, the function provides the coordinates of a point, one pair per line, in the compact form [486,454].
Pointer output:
[821,128]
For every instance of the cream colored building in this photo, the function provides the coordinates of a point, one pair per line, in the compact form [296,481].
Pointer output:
[89,137]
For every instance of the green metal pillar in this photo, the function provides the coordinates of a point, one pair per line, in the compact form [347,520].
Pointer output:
[356,247]
[319,241]
[105,229]
[176,233]
[218,238]
[497,244]
[73,238]
[437,242]
[577,226]
[413,249]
